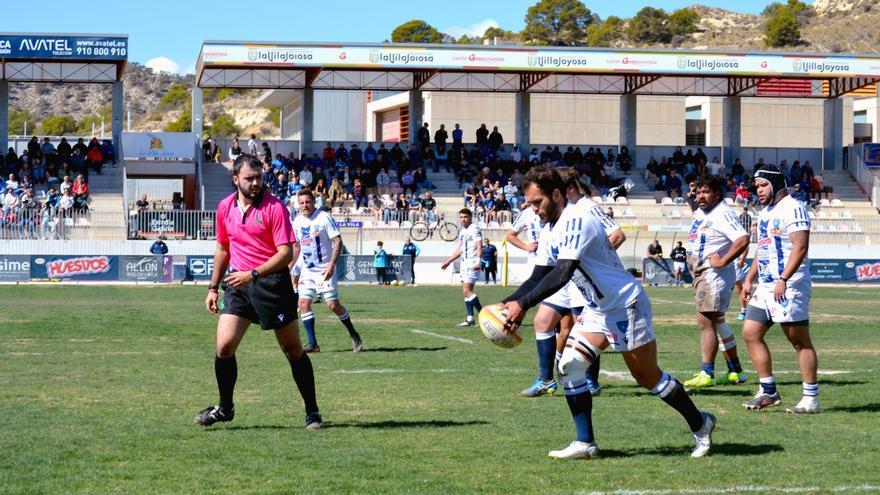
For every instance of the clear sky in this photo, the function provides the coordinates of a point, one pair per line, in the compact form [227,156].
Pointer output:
[167,34]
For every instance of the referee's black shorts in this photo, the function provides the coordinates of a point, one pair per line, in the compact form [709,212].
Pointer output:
[268,300]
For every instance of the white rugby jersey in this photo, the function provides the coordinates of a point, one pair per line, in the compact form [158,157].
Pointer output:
[314,235]
[529,221]
[467,242]
[775,224]
[608,224]
[710,233]
[601,278]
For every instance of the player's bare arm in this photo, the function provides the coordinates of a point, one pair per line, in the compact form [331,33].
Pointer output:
[479,245]
[337,250]
[513,238]
[279,260]
[737,248]
[617,238]
[221,260]
[552,282]
[800,244]
[455,255]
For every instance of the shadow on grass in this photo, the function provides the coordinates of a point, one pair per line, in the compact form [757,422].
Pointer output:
[854,409]
[737,449]
[397,349]
[378,425]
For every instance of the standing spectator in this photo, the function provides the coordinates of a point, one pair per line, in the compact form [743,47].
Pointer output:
[235,150]
[142,203]
[159,247]
[64,150]
[413,251]
[655,250]
[207,148]
[252,145]
[457,134]
[495,139]
[489,260]
[49,216]
[108,151]
[679,262]
[423,137]
[380,263]
[440,138]
[95,159]
[81,146]
[482,138]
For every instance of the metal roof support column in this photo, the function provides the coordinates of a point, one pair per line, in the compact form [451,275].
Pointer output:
[416,113]
[875,138]
[307,132]
[523,121]
[835,135]
[4,116]
[117,111]
[628,125]
[731,130]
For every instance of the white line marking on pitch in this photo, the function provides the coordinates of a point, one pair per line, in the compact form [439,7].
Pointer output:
[441,336]
[739,489]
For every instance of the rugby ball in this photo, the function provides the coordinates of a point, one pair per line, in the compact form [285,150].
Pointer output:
[492,319]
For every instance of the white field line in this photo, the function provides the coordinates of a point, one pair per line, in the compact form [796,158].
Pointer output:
[740,489]
[824,315]
[441,336]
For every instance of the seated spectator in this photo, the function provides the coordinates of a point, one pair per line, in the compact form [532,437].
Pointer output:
[306,177]
[502,209]
[389,208]
[738,171]
[52,180]
[429,208]
[80,192]
[715,167]
[800,195]
[407,182]
[76,164]
[108,151]
[383,181]
[655,250]
[603,183]
[11,204]
[67,202]
[742,195]
[336,194]
[142,203]
[94,158]
[375,204]
[816,189]
[38,170]
[66,185]
[415,207]
[25,183]
[281,188]
[421,180]
[673,185]
[12,183]
[359,193]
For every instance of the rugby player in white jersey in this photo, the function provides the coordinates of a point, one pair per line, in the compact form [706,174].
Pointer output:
[320,244]
[617,313]
[715,241]
[783,291]
[470,245]
[556,314]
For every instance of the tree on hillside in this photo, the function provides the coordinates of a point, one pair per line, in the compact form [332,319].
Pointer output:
[467,40]
[17,121]
[782,27]
[182,124]
[177,94]
[224,126]
[683,22]
[649,25]
[501,34]
[606,33]
[58,125]
[416,31]
[558,22]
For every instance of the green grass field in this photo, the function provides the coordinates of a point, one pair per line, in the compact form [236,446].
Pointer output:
[99,385]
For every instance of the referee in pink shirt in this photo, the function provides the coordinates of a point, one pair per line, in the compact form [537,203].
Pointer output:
[254,240]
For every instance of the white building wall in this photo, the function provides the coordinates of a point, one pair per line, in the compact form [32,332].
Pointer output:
[575,119]
[340,116]
[470,110]
[872,106]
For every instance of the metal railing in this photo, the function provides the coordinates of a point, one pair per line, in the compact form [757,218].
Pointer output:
[867,177]
[172,224]
[35,223]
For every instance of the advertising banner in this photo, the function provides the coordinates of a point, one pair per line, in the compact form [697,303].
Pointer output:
[359,268]
[872,154]
[62,47]
[172,224]
[661,272]
[145,268]
[14,268]
[845,271]
[166,146]
[199,267]
[468,58]
[60,267]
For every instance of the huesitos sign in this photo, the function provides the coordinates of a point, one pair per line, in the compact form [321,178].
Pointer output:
[86,265]
[868,271]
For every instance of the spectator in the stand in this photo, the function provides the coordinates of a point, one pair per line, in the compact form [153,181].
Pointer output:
[25,183]
[457,135]
[742,194]
[421,180]
[33,146]
[66,184]
[281,188]
[12,183]
[142,203]
[489,261]
[502,208]
[64,150]
[266,151]
[759,165]
[603,183]
[108,151]
[159,247]
[796,172]
[252,145]
[495,139]
[80,192]
[370,154]
[207,148]
[816,189]
[799,194]
[383,181]
[807,171]
[81,146]
[511,191]
[359,194]
[738,171]
[677,160]
[336,194]
[328,154]
[356,155]
[423,137]
[235,149]
[715,167]
[624,160]
[691,198]
[11,204]
[440,138]
[482,138]
[408,182]
[47,149]
[306,177]
[389,208]
[401,206]
[395,154]
[48,215]
[429,208]
[51,179]
[67,202]
[610,213]
[655,250]
[341,153]
[678,255]
[673,185]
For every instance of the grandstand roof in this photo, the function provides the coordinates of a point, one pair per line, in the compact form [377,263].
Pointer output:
[62,57]
[402,67]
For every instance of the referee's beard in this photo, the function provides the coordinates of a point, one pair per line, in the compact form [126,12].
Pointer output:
[250,192]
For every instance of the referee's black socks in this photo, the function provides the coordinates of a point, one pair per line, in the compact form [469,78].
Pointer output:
[304,376]
[226,370]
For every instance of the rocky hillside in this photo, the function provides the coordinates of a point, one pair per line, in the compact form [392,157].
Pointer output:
[838,26]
